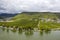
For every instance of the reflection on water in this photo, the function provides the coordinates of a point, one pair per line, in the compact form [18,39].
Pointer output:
[47,32]
[3,29]
[14,30]
[7,34]
[7,30]
[29,33]
[44,32]
[20,31]
[41,33]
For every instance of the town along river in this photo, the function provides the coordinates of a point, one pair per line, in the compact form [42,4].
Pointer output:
[6,34]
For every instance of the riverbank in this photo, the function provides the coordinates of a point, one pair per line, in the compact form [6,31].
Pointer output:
[34,29]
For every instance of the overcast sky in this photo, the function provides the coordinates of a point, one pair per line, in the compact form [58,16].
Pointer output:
[16,6]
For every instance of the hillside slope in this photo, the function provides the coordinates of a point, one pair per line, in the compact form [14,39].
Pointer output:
[40,20]
[35,15]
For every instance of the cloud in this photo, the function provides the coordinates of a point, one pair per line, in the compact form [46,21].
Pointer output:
[16,6]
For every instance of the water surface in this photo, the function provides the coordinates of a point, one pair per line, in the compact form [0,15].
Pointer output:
[6,34]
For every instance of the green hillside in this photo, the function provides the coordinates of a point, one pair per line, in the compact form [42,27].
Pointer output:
[34,15]
[40,20]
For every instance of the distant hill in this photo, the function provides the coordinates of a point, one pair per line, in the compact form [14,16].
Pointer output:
[6,15]
[36,15]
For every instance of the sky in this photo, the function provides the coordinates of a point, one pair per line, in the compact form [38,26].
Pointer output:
[17,6]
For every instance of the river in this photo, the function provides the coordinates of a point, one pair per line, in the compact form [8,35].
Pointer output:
[6,34]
